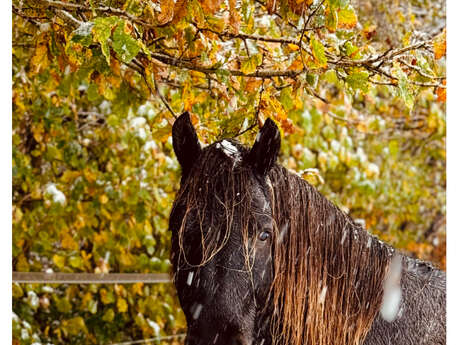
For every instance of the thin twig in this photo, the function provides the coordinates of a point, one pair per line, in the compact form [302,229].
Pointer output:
[163,99]
[420,72]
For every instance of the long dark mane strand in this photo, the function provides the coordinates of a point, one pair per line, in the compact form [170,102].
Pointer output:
[329,272]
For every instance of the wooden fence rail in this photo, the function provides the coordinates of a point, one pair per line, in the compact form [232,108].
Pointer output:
[90,278]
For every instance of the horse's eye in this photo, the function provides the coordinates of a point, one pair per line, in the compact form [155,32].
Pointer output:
[264,235]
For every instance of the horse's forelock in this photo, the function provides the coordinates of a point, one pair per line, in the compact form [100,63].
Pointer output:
[216,193]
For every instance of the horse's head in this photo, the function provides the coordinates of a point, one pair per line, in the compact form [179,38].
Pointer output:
[222,235]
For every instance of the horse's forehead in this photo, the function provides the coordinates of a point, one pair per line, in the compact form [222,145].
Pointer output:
[260,200]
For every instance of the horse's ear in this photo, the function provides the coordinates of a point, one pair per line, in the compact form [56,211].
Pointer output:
[265,150]
[186,143]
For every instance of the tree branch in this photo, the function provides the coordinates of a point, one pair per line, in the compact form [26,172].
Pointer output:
[106,9]
[215,70]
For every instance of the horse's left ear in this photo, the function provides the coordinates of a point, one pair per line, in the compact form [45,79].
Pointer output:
[265,150]
[186,143]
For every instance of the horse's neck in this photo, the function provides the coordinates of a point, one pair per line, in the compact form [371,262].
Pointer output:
[421,317]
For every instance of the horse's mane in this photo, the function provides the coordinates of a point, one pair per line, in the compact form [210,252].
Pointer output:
[328,271]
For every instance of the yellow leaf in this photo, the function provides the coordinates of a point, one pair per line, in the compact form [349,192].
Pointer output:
[39,60]
[122,305]
[439,45]
[68,242]
[347,18]
[59,261]
[137,289]
[250,65]
[293,47]
[38,132]
[103,199]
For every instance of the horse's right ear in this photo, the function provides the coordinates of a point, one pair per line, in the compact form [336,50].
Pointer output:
[185,142]
[265,150]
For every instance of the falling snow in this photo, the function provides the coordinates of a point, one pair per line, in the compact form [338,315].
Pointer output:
[322,295]
[190,278]
[197,311]
[392,291]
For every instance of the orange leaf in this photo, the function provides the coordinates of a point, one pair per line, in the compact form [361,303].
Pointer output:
[252,84]
[441,92]
[167,12]
[180,9]
[297,64]
[439,45]
[234,18]
[210,6]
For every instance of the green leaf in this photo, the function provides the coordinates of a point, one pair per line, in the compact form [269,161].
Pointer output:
[250,65]
[102,31]
[318,51]
[109,315]
[124,45]
[358,80]
[404,89]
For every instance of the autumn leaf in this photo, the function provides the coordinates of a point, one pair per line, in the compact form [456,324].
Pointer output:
[441,92]
[297,64]
[293,47]
[122,305]
[439,45]
[167,12]
[210,6]
[39,60]
[234,17]
[180,10]
[250,65]
[347,19]
[404,88]
[358,80]
[331,19]
[102,31]
[318,51]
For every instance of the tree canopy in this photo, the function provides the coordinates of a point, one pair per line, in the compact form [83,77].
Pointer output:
[357,87]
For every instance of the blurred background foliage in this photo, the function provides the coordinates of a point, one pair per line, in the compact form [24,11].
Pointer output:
[357,87]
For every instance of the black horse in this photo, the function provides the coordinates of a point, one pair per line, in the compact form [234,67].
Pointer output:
[260,257]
